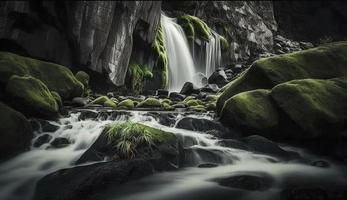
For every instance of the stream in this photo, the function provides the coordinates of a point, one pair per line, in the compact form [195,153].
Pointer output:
[19,175]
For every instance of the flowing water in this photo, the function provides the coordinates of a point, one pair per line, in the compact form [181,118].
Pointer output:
[182,67]
[19,175]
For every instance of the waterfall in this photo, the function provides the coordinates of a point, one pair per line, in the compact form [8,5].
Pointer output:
[181,63]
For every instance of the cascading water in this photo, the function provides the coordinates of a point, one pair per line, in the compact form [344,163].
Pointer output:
[181,63]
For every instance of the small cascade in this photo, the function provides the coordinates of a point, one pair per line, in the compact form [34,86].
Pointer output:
[213,54]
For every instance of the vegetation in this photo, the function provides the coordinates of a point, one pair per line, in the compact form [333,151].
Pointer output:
[194,27]
[162,63]
[149,103]
[137,74]
[127,104]
[128,137]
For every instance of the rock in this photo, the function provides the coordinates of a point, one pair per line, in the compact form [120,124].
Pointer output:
[306,45]
[31,96]
[57,98]
[320,163]
[110,94]
[202,95]
[167,119]
[83,77]
[211,88]
[251,112]
[207,165]
[162,93]
[90,181]
[56,77]
[179,105]
[42,139]
[176,96]
[88,114]
[43,125]
[142,142]
[266,73]
[127,104]
[202,125]
[257,182]
[188,89]
[16,132]
[79,101]
[196,156]
[198,108]
[219,78]
[150,103]
[232,143]
[60,142]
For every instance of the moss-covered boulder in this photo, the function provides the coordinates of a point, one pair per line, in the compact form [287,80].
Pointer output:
[198,108]
[100,100]
[110,103]
[251,112]
[83,77]
[324,62]
[31,96]
[317,107]
[130,140]
[126,104]
[150,103]
[16,132]
[56,77]
[57,98]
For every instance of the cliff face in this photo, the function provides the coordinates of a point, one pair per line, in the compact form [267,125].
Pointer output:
[248,26]
[93,34]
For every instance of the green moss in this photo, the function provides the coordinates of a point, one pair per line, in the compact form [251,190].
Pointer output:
[56,77]
[162,58]
[188,98]
[128,137]
[211,106]
[211,98]
[100,100]
[127,103]
[166,106]
[110,103]
[149,103]
[83,77]
[57,98]
[147,74]
[224,43]
[251,112]
[326,61]
[194,27]
[198,108]
[31,96]
[193,102]
[167,101]
[136,75]
[316,106]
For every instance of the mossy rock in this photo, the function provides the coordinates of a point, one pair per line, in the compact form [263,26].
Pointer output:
[16,132]
[56,77]
[167,106]
[188,98]
[211,98]
[167,101]
[110,103]
[127,104]
[150,103]
[83,77]
[162,63]
[251,112]
[318,107]
[31,96]
[324,62]
[198,108]
[57,98]
[211,106]
[194,27]
[100,100]
[192,102]
[128,137]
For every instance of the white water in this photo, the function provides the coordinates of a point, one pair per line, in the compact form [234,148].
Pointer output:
[181,63]
[19,175]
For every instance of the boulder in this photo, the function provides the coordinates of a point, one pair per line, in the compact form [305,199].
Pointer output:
[324,62]
[31,96]
[89,181]
[162,93]
[150,103]
[201,125]
[41,125]
[256,182]
[83,77]
[79,101]
[211,88]
[127,104]
[60,142]
[42,139]
[176,96]
[56,77]
[188,89]
[219,78]
[16,132]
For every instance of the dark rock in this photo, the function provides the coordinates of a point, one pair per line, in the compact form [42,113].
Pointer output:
[233,144]
[258,181]
[88,114]
[176,95]
[238,68]
[203,125]
[167,119]
[188,89]
[43,125]
[162,93]
[45,138]
[60,142]
[207,165]
[88,182]
[179,105]
[211,88]
[219,78]
[320,163]
[110,94]
[202,95]
[195,156]
[79,101]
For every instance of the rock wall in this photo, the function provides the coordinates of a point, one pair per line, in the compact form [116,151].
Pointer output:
[247,26]
[94,34]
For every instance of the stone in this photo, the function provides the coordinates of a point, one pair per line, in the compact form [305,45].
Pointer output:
[60,142]
[42,139]
[201,125]
[79,101]
[211,88]
[150,103]
[188,89]
[257,182]
[219,78]
[162,93]
[176,96]
[43,125]
[207,165]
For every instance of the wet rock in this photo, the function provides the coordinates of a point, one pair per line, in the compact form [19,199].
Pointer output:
[320,163]
[79,101]
[188,89]
[110,95]
[88,114]
[45,138]
[203,125]
[60,142]
[219,78]
[194,156]
[179,105]
[238,68]
[167,119]
[43,125]
[232,143]
[207,165]
[162,93]
[89,182]
[211,88]
[176,96]
[258,181]
[202,95]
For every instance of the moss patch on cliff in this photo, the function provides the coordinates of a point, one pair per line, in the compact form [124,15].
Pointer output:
[31,96]
[162,63]
[326,61]
[194,27]
[56,77]
[136,75]
[128,137]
